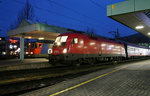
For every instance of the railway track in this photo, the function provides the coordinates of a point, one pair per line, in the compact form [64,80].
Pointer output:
[13,83]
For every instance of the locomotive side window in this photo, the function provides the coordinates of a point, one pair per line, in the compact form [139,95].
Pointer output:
[75,41]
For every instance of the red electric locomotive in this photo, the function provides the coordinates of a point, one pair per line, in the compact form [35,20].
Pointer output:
[76,47]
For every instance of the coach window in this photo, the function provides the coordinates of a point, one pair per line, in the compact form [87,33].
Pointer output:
[40,45]
[75,41]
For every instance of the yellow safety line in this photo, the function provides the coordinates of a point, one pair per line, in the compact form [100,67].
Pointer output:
[57,93]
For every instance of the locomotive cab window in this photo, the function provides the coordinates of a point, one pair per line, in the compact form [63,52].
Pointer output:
[75,41]
[60,41]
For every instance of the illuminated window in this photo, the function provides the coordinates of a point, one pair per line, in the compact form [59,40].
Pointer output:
[74,41]
[81,42]
[57,39]
[92,43]
[63,38]
[103,45]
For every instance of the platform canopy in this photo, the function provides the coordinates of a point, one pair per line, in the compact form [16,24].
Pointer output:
[132,13]
[36,31]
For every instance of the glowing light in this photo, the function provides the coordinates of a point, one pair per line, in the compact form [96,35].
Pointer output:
[31,52]
[65,50]
[103,45]
[29,37]
[27,52]
[18,50]
[11,46]
[139,27]
[41,38]
[58,43]
[111,45]
[148,33]
[0,38]
[81,42]
[92,43]
[109,48]
[4,53]
[15,46]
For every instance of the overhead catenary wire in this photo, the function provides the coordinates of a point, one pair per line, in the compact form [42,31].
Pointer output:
[77,12]
[98,5]
[69,17]
[60,14]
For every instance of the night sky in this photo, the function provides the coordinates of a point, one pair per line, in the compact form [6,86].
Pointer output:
[80,15]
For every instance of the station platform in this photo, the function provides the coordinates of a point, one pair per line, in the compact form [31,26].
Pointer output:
[16,64]
[131,79]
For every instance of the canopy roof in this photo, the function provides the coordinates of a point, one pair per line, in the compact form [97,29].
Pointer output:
[132,13]
[37,31]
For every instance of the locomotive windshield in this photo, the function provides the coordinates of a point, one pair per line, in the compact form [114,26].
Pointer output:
[60,41]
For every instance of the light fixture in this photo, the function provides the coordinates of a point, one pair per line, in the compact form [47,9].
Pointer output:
[29,37]
[41,38]
[148,33]
[139,27]
[0,38]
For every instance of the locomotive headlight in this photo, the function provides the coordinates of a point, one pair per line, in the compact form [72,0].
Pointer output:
[27,52]
[58,43]
[65,50]
[31,52]
[50,51]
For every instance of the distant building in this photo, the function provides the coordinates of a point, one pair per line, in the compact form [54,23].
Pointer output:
[137,39]
[8,46]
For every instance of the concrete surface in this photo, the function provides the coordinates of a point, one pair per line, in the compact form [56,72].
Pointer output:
[132,79]
[16,64]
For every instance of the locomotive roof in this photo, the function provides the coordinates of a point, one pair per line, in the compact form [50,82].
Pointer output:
[91,36]
[96,37]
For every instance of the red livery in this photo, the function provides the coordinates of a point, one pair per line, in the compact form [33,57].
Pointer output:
[76,47]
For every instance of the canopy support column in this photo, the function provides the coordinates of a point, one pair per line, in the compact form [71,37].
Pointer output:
[22,47]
